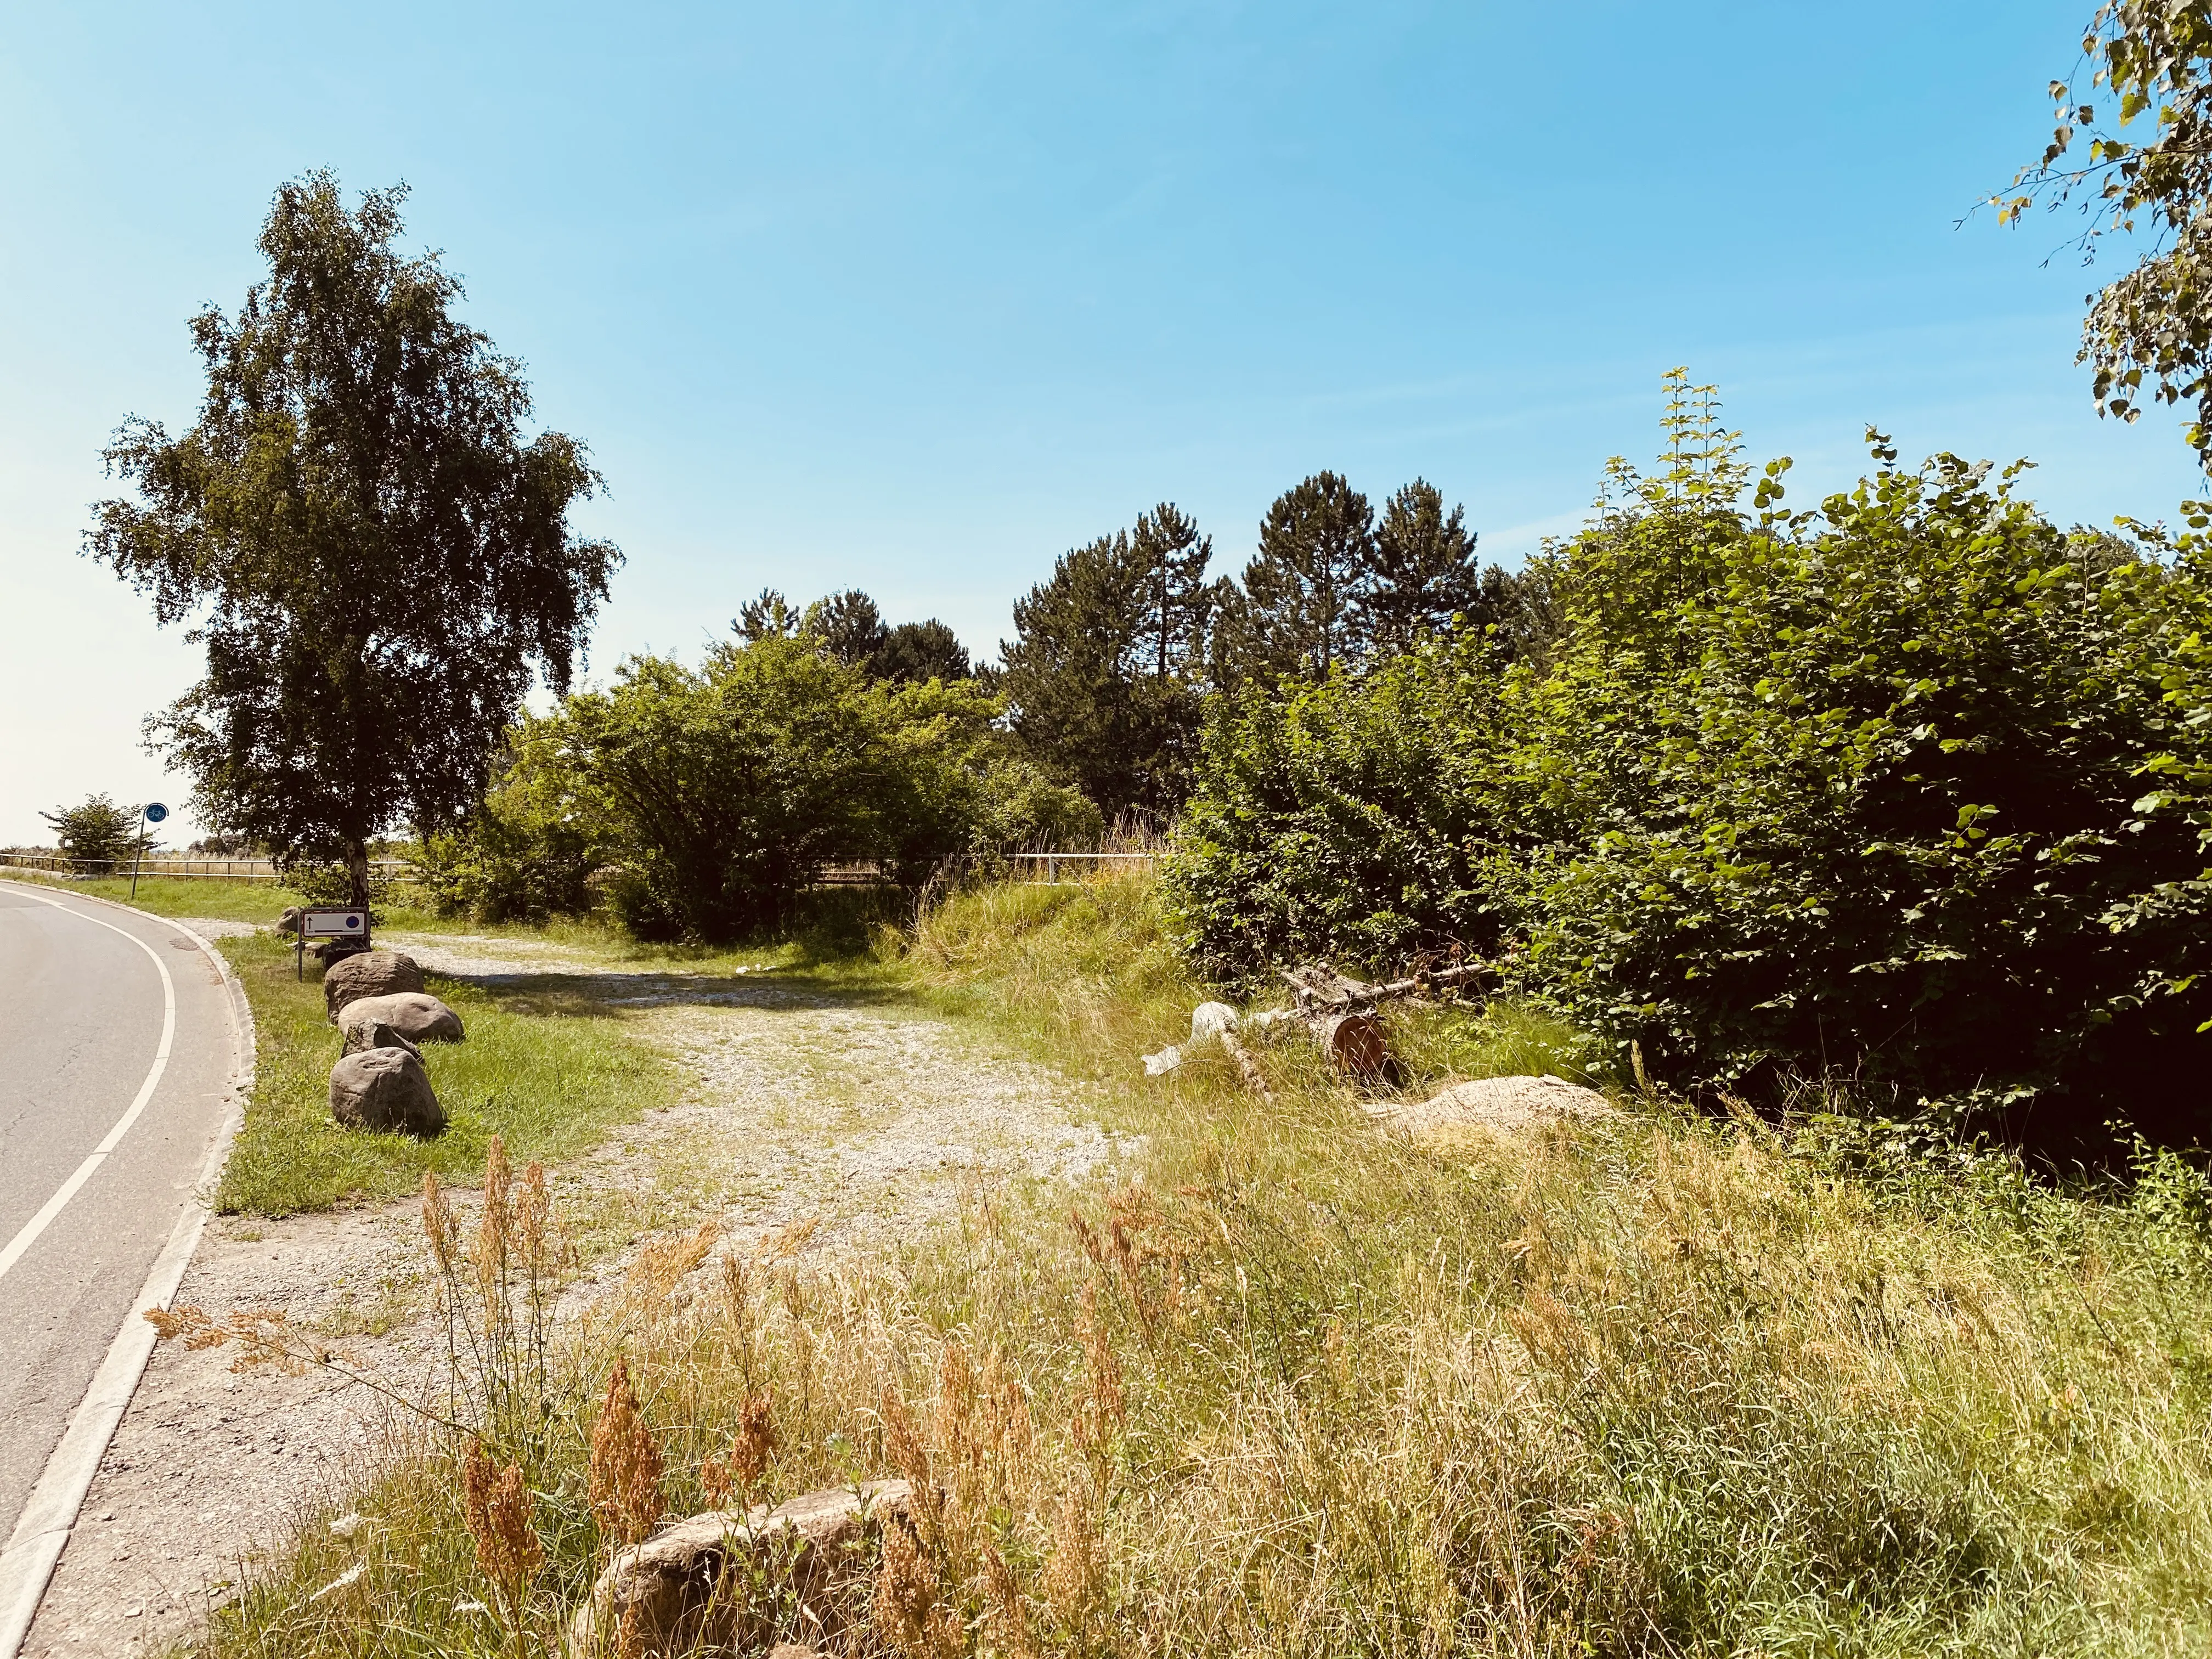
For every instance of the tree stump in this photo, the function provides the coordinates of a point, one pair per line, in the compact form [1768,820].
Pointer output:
[1354,1043]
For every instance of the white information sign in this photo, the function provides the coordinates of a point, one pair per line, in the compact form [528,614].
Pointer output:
[334,924]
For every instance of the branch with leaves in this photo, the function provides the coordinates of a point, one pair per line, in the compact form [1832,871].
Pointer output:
[2131,147]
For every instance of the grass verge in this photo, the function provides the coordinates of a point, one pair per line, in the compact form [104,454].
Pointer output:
[256,902]
[1653,1386]
[550,1083]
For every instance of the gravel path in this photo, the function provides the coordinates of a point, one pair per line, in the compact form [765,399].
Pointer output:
[801,1104]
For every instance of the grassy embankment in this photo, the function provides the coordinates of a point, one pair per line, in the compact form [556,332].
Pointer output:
[1657,1386]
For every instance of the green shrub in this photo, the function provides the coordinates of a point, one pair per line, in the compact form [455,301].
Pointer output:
[531,850]
[1352,819]
[1909,789]
[721,794]
[97,832]
[1018,809]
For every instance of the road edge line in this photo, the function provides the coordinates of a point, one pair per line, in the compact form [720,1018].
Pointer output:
[50,1514]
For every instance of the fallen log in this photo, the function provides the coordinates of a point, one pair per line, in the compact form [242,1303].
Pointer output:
[1337,1010]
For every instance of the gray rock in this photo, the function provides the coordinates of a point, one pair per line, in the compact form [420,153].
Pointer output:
[370,974]
[1508,1104]
[362,1035]
[415,1015]
[387,1091]
[715,1583]
[289,921]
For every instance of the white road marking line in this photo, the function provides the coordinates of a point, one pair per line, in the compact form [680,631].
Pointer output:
[29,1234]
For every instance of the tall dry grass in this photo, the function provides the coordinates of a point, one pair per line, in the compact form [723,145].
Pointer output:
[1654,1386]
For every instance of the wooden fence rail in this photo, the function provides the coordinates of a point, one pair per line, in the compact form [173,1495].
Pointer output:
[177,869]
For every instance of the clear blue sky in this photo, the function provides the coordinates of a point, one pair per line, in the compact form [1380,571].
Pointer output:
[913,298]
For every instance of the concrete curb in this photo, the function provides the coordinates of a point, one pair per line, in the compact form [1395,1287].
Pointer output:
[27,1563]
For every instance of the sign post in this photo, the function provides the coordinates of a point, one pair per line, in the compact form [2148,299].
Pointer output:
[153,814]
[350,927]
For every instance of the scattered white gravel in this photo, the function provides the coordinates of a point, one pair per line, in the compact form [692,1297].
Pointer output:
[218,927]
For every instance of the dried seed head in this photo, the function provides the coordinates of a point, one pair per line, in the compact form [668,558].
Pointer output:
[904,1609]
[786,1240]
[625,1468]
[1100,1414]
[753,1446]
[955,1404]
[1006,1408]
[497,1505]
[1075,1571]
[1087,1238]
[902,1445]
[1009,1621]
[663,1261]
[438,1224]
[533,1222]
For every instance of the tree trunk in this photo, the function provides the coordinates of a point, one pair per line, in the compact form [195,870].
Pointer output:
[357,872]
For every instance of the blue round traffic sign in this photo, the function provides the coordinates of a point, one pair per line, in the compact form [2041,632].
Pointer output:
[155,812]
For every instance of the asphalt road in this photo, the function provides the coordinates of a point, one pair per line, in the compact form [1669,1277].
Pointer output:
[83,1012]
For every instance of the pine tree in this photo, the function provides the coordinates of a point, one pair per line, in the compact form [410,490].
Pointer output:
[1422,573]
[1293,614]
[767,616]
[915,652]
[847,625]
[1166,543]
[1104,676]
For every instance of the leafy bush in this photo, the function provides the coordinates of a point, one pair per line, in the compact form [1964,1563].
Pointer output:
[721,794]
[97,832]
[1909,789]
[1353,819]
[532,850]
[1019,809]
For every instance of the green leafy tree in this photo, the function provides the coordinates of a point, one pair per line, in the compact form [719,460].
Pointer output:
[723,791]
[383,563]
[850,628]
[1103,676]
[532,849]
[1292,615]
[96,832]
[1019,809]
[2132,147]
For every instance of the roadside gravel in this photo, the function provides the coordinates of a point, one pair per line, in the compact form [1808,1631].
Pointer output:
[801,1103]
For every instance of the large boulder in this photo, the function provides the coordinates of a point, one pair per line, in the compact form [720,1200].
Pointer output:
[1505,1105]
[370,974]
[717,1583]
[288,920]
[415,1015]
[385,1089]
[362,1035]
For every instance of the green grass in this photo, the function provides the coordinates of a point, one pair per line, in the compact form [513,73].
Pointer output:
[549,1083]
[230,900]
[1658,1385]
